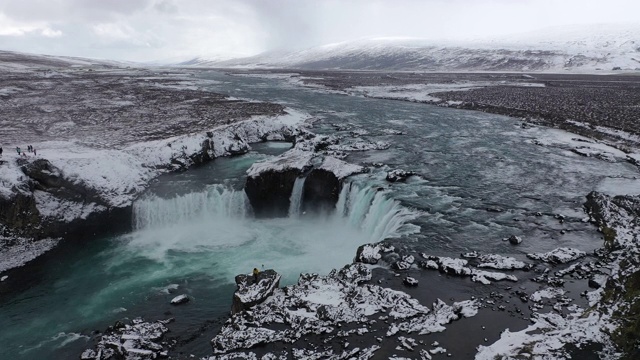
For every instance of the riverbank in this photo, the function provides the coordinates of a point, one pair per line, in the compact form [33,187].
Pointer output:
[603,106]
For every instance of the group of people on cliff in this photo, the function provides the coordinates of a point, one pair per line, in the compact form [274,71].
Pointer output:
[30,149]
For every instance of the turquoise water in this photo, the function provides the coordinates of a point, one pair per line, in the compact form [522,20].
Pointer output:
[193,233]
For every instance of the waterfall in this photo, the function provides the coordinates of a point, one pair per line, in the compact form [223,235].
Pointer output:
[373,211]
[295,201]
[216,201]
[368,209]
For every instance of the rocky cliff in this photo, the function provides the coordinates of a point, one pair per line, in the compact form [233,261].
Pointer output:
[270,183]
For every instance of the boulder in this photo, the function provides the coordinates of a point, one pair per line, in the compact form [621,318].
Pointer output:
[409,281]
[250,293]
[353,274]
[598,280]
[558,256]
[515,240]
[399,175]
[368,254]
[180,299]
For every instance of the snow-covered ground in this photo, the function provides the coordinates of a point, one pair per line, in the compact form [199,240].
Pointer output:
[423,92]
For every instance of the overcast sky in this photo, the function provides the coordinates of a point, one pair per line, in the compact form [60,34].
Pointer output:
[142,30]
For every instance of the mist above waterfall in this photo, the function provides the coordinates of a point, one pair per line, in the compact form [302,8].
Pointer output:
[216,230]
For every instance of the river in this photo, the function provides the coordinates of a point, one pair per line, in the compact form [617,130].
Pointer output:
[194,230]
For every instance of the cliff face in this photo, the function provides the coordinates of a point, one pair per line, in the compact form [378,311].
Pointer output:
[251,292]
[270,183]
[321,191]
[48,205]
[269,193]
[618,218]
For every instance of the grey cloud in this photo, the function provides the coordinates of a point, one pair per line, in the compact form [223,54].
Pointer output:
[166,6]
[149,29]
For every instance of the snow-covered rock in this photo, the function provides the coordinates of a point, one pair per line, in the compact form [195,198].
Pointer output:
[270,183]
[500,262]
[323,304]
[560,255]
[180,299]
[598,280]
[138,340]
[368,254]
[409,281]
[399,175]
[250,293]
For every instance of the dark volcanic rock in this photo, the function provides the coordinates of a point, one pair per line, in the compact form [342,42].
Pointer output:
[250,293]
[368,254]
[19,212]
[139,340]
[270,183]
[515,240]
[43,173]
[269,193]
[321,191]
[409,281]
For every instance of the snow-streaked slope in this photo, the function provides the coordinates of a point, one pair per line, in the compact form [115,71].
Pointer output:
[17,61]
[574,48]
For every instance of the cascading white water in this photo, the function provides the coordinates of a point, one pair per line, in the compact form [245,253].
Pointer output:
[216,201]
[363,207]
[373,212]
[295,201]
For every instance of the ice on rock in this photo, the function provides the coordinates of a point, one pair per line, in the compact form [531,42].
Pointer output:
[560,255]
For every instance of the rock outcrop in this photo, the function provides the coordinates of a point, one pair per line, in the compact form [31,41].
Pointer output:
[341,307]
[45,204]
[399,175]
[251,293]
[270,183]
[138,340]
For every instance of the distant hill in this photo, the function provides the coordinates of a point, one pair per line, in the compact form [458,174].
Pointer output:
[16,61]
[573,48]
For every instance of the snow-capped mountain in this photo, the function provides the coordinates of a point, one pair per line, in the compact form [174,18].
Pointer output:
[573,48]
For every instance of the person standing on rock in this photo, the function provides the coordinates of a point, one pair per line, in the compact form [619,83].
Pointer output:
[256,274]
[18,150]
[34,151]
